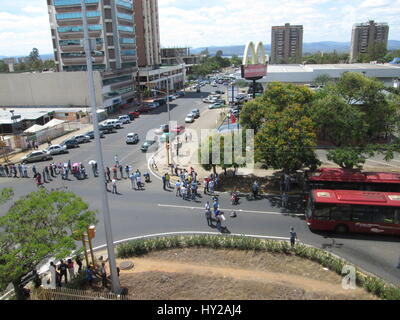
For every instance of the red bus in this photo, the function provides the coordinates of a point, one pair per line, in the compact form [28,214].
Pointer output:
[344,211]
[342,179]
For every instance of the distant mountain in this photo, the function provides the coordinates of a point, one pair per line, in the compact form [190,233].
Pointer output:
[47,56]
[309,47]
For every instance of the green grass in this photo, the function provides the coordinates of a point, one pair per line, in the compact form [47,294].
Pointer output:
[143,246]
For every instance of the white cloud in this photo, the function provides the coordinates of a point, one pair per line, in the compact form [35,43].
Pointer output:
[32,9]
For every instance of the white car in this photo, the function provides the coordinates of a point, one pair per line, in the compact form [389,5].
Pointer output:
[210,100]
[56,149]
[82,138]
[113,122]
[189,118]
[132,138]
[124,119]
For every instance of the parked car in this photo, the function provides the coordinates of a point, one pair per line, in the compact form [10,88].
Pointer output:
[143,109]
[146,145]
[56,149]
[81,138]
[196,113]
[178,129]
[133,115]
[222,101]
[209,100]
[132,138]
[70,143]
[216,106]
[115,123]
[106,128]
[219,92]
[180,93]
[189,118]
[124,119]
[36,156]
[91,134]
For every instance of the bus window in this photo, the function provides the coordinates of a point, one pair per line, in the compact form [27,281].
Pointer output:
[397,216]
[341,212]
[322,211]
[361,214]
[383,215]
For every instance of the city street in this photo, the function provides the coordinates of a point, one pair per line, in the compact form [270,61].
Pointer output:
[154,210]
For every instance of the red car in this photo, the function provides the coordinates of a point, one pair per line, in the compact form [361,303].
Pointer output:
[134,114]
[143,109]
[178,129]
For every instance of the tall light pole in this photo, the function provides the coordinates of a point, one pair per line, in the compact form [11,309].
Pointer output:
[116,287]
[169,116]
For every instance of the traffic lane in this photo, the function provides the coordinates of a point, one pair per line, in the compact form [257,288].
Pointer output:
[137,213]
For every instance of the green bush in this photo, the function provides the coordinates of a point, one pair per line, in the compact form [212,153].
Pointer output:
[140,247]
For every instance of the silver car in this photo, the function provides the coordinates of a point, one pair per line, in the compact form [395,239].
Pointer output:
[36,156]
[56,149]
[82,138]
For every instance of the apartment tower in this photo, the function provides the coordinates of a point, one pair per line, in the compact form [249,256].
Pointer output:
[147,33]
[286,44]
[112,31]
[365,35]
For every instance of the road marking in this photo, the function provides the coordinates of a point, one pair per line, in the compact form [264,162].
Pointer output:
[237,210]
[383,163]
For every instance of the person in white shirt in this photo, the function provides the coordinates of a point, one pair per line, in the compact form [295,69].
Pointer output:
[114,186]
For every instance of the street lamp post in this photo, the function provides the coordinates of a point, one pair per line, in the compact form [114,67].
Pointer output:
[116,287]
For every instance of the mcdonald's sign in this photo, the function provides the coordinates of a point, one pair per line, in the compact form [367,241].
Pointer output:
[254,61]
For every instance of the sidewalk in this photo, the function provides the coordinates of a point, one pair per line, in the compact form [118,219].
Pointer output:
[16,157]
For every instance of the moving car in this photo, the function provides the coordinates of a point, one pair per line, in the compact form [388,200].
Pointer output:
[81,138]
[178,129]
[36,156]
[163,128]
[124,119]
[216,106]
[56,149]
[189,118]
[196,113]
[132,138]
[70,143]
[146,145]
[91,134]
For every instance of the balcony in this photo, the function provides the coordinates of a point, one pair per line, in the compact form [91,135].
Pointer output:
[69,3]
[80,60]
[124,4]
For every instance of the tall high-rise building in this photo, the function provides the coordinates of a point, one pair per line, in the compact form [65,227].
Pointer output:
[112,31]
[365,35]
[147,33]
[286,44]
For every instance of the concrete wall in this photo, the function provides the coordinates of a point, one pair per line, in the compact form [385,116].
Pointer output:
[48,89]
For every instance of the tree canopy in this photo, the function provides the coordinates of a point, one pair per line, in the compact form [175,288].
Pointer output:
[38,226]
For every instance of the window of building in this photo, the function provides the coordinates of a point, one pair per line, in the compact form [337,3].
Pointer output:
[125,4]
[126,28]
[127,40]
[77,15]
[94,27]
[128,52]
[72,2]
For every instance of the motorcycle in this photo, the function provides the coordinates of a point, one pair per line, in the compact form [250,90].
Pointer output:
[235,199]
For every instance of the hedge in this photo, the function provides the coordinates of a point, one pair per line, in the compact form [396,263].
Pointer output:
[141,247]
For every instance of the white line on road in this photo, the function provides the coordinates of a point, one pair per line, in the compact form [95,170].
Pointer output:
[237,210]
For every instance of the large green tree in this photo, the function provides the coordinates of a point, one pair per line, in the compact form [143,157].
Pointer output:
[37,227]
[287,141]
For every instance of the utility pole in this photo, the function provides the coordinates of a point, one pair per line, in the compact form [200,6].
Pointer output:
[116,287]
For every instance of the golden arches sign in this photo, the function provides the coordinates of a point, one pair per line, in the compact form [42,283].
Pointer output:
[257,54]
[254,61]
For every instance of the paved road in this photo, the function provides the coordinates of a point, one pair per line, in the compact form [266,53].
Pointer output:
[153,210]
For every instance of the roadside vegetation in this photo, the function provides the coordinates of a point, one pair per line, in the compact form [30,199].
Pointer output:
[142,247]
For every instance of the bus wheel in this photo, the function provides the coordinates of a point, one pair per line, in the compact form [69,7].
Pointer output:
[341,228]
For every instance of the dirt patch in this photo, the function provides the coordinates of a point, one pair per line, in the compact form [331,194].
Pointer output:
[231,274]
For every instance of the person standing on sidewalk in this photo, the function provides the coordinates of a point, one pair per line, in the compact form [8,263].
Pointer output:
[20,170]
[208,213]
[168,178]
[71,271]
[116,160]
[103,274]
[108,172]
[79,263]
[115,172]
[63,271]
[89,275]
[121,171]
[293,237]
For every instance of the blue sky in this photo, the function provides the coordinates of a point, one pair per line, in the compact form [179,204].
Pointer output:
[24,24]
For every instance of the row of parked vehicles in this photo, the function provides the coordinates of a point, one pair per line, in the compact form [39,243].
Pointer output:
[107,126]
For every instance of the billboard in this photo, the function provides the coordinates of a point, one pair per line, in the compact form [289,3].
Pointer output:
[254,65]
[254,71]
